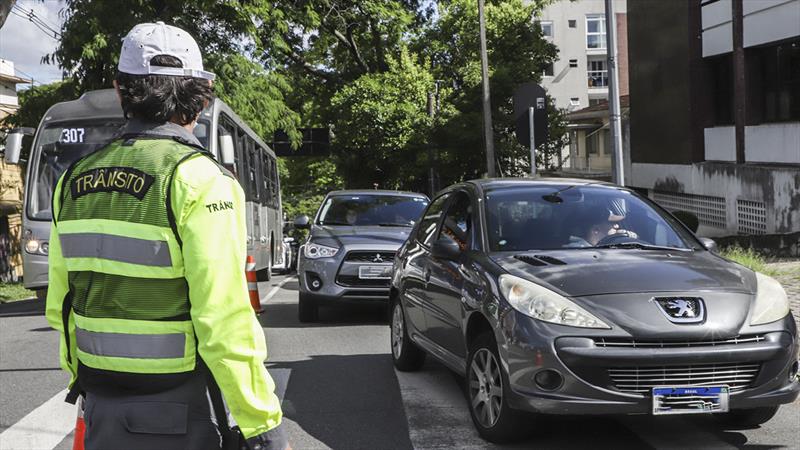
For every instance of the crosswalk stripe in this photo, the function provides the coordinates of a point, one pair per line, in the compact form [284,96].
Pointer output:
[43,428]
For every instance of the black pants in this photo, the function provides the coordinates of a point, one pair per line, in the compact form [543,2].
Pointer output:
[180,418]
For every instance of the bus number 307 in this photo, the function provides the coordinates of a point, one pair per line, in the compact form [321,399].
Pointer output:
[72,135]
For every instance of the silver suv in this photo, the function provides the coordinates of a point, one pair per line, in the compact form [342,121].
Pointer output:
[351,247]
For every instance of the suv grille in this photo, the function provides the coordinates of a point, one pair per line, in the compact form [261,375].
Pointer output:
[378,256]
[632,343]
[641,380]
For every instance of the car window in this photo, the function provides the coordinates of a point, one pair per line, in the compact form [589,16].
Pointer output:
[371,210]
[427,226]
[457,224]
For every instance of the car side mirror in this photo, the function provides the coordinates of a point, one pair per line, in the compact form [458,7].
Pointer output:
[226,150]
[689,219]
[302,222]
[709,244]
[444,248]
[14,143]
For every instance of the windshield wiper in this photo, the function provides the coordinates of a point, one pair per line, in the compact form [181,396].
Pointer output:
[394,224]
[641,246]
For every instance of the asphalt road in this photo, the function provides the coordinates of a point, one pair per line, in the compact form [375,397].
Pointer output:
[340,391]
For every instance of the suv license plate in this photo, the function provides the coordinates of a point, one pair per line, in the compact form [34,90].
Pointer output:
[375,272]
[690,400]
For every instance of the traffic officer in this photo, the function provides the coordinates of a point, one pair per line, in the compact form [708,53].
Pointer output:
[147,285]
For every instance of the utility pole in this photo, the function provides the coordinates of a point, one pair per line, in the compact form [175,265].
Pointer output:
[615,118]
[431,113]
[488,134]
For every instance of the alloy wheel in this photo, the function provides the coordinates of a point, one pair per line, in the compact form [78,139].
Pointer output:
[485,387]
[397,330]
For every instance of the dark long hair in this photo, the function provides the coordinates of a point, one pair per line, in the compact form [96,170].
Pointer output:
[160,98]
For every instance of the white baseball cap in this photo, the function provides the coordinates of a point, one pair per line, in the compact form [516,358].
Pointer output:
[147,40]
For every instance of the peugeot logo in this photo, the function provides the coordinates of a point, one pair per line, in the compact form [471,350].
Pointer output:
[682,309]
[378,258]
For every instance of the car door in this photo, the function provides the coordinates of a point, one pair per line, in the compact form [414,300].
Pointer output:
[416,263]
[444,310]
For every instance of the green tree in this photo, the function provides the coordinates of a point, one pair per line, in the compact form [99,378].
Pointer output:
[382,125]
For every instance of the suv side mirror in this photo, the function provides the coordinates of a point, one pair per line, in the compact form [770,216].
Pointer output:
[14,143]
[689,219]
[445,248]
[226,151]
[302,222]
[709,244]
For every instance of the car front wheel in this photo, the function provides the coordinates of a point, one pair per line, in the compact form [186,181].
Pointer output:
[406,355]
[487,393]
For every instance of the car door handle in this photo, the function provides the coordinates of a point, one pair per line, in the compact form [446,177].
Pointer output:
[427,275]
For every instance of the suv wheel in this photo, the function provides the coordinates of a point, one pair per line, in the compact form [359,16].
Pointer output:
[487,394]
[307,309]
[747,418]
[406,355]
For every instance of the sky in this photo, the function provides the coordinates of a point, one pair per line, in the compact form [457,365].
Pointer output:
[24,44]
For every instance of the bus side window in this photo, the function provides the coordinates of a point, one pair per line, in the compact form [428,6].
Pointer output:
[265,179]
[252,170]
[273,180]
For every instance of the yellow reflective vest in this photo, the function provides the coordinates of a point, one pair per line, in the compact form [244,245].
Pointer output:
[211,259]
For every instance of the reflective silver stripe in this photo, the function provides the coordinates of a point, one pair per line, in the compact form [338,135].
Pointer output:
[116,248]
[121,345]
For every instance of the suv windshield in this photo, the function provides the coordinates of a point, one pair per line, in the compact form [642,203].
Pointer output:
[573,217]
[371,209]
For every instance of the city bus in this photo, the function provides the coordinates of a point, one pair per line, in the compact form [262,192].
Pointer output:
[73,129]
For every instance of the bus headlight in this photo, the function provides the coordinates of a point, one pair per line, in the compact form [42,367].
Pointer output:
[37,247]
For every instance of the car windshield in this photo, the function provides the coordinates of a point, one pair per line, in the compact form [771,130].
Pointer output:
[372,210]
[574,217]
[58,146]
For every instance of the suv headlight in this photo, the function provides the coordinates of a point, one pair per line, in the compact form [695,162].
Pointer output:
[545,305]
[771,301]
[314,251]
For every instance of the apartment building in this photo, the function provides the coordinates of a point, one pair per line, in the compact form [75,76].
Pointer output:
[715,112]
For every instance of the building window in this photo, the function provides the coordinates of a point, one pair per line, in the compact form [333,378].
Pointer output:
[547,29]
[574,101]
[596,32]
[572,23]
[721,70]
[773,83]
[597,73]
[597,101]
[573,63]
[548,71]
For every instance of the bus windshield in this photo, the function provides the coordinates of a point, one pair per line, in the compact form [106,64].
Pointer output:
[58,146]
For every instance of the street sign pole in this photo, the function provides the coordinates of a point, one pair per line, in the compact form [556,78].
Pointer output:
[613,95]
[533,141]
[487,104]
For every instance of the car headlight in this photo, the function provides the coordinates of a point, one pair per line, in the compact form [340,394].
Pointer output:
[771,301]
[545,305]
[314,251]
[37,247]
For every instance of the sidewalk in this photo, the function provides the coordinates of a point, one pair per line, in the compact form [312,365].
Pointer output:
[789,276]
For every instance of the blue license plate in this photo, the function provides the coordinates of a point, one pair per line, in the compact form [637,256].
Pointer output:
[690,399]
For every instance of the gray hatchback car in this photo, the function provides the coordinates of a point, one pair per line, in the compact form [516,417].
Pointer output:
[570,297]
[351,246]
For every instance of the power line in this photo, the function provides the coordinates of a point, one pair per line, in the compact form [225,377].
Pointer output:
[43,20]
[35,20]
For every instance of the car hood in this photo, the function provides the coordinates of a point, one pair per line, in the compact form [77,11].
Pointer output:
[340,236]
[579,273]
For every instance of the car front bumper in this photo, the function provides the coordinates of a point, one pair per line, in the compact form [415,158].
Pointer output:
[588,387]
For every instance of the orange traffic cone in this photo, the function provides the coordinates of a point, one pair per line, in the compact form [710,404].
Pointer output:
[80,427]
[252,284]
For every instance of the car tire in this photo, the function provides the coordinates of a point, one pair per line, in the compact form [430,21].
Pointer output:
[407,357]
[307,309]
[748,418]
[487,393]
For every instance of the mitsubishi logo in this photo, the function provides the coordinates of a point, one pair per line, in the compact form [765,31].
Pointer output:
[682,309]
[378,258]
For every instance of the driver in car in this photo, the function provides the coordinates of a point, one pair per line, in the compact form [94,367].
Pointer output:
[601,224]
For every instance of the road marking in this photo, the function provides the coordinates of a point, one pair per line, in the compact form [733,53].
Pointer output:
[277,288]
[43,428]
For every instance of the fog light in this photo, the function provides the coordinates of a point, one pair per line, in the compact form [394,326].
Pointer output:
[44,248]
[314,282]
[548,379]
[793,370]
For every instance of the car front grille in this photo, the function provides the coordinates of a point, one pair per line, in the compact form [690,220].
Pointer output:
[355,281]
[377,256]
[641,380]
[633,343]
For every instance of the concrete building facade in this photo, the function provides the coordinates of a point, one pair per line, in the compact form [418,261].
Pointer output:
[715,111]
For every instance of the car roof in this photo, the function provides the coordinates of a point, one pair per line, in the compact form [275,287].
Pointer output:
[376,192]
[490,183]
